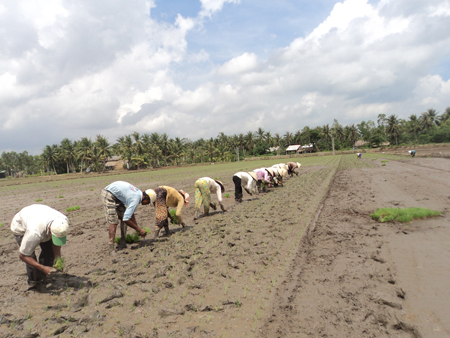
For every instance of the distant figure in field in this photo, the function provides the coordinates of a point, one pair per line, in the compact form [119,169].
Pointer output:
[291,168]
[243,180]
[413,153]
[204,187]
[39,225]
[359,155]
[166,197]
[120,200]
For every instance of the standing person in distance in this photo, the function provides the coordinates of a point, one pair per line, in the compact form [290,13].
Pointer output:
[39,225]
[120,200]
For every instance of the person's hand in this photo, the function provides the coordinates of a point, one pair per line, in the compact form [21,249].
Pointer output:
[142,233]
[47,270]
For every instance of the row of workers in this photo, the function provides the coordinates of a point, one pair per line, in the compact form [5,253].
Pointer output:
[40,225]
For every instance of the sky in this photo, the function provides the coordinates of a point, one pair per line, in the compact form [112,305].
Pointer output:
[195,68]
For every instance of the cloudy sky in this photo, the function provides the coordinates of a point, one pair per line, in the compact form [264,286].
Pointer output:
[194,68]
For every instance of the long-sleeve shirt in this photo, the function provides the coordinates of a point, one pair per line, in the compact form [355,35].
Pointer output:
[214,188]
[126,193]
[247,182]
[174,200]
[33,223]
[262,174]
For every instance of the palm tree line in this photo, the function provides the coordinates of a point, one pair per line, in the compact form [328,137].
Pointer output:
[157,150]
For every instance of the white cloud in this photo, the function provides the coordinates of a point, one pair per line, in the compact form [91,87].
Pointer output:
[209,7]
[246,62]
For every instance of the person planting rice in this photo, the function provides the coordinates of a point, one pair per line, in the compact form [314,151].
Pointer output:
[166,197]
[359,155]
[291,168]
[243,180]
[204,187]
[39,225]
[277,178]
[263,179]
[120,200]
[413,153]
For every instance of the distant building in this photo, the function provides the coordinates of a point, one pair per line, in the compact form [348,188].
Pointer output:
[114,163]
[293,149]
[272,149]
[360,143]
[3,174]
[309,148]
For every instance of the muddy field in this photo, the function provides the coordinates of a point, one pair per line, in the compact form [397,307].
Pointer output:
[301,260]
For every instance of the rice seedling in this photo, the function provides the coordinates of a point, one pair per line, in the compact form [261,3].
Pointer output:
[226,195]
[77,207]
[38,200]
[59,265]
[173,214]
[2,224]
[403,215]
[60,196]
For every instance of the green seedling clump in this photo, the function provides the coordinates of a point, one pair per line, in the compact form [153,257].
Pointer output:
[77,207]
[38,200]
[173,213]
[134,238]
[403,215]
[59,265]
[226,195]
[2,224]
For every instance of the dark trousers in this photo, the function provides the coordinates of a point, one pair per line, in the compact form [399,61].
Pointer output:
[237,188]
[46,258]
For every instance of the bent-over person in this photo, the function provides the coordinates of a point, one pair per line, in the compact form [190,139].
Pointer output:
[243,180]
[168,197]
[204,187]
[291,168]
[39,225]
[120,200]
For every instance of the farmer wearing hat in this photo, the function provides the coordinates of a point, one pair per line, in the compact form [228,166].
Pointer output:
[162,198]
[204,187]
[243,180]
[39,225]
[359,155]
[413,153]
[262,177]
[120,200]
[291,168]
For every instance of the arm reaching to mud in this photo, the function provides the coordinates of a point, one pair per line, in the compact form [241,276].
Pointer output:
[32,262]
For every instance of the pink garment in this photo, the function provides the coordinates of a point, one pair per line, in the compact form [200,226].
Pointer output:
[262,174]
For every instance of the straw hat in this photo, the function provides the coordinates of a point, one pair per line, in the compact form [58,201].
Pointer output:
[221,185]
[283,172]
[270,171]
[252,174]
[298,165]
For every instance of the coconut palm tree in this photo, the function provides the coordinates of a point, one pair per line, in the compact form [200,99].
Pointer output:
[393,127]
[210,149]
[68,153]
[164,144]
[326,133]
[429,119]
[52,155]
[249,141]
[103,150]
[414,125]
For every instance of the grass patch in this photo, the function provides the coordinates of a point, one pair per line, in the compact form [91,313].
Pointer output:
[60,196]
[77,207]
[2,225]
[403,215]
[38,200]
[383,165]
[59,265]
[226,195]
[384,161]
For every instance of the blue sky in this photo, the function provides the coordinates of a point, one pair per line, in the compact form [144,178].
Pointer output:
[194,68]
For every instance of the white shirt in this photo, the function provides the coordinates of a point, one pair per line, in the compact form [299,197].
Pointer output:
[214,187]
[33,223]
[247,181]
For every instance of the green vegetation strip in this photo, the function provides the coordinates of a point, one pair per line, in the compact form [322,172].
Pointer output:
[77,207]
[403,215]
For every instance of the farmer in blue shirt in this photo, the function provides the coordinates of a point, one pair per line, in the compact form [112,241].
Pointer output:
[120,200]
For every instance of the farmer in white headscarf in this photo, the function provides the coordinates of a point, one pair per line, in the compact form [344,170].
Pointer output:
[204,187]
[243,180]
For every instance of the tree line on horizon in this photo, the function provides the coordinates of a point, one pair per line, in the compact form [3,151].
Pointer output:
[155,150]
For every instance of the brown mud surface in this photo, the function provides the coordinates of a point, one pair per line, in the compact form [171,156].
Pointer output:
[301,260]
